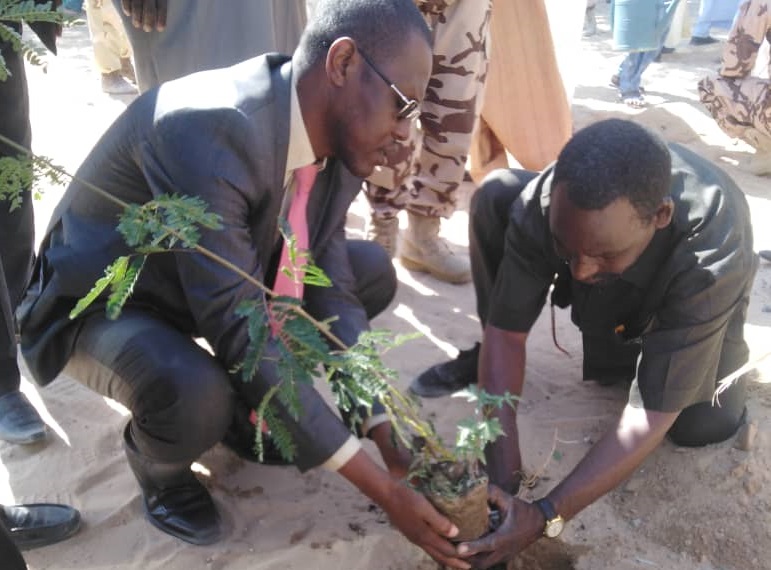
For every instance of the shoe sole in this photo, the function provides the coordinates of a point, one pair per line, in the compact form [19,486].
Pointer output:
[412,265]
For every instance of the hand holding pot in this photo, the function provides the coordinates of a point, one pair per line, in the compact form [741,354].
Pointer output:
[522,525]
[414,516]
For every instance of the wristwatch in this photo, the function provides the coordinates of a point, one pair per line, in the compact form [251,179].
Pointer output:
[554,522]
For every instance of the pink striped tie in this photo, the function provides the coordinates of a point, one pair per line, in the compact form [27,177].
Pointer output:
[293,286]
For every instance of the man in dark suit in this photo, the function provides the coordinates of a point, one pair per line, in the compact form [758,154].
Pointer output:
[19,421]
[233,137]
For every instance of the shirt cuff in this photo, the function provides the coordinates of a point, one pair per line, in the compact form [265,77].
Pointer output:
[372,422]
[343,455]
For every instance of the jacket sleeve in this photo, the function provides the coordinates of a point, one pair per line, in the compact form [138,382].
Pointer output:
[340,300]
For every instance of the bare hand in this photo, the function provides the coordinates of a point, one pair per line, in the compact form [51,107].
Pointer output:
[414,516]
[397,458]
[146,14]
[522,525]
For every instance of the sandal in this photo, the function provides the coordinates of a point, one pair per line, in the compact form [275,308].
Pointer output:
[614,83]
[635,100]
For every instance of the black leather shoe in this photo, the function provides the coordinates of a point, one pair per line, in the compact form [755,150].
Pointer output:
[40,524]
[765,254]
[175,501]
[448,377]
[703,40]
[19,420]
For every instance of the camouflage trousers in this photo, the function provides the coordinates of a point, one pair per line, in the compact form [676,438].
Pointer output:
[425,173]
[739,101]
[741,107]
[108,37]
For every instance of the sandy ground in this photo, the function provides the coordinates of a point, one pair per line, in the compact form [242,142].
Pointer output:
[692,509]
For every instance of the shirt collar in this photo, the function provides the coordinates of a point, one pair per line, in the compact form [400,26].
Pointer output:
[300,151]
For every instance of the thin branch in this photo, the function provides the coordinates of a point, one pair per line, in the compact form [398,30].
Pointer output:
[200,249]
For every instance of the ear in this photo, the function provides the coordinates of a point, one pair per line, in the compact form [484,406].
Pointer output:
[664,213]
[340,56]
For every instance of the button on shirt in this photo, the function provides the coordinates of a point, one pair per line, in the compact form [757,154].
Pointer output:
[674,306]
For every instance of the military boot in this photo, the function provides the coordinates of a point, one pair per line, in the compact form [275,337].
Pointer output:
[385,232]
[423,250]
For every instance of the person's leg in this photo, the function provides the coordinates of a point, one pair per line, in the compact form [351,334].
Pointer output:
[590,19]
[704,423]
[181,403]
[741,109]
[488,220]
[375,276]
[110,46]
[19,422]
[9,552]
[449,113]
[630,75]
[700,28]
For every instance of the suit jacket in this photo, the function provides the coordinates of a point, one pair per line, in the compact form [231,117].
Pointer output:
[221,135]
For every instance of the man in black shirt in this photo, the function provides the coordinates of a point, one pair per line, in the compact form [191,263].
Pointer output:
[652,248]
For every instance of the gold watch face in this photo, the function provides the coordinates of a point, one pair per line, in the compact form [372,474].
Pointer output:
[554,527]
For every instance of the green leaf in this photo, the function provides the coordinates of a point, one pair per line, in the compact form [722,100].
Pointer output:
[258,330]
[123,285]
[279,433]
[110,274]
[16,175]
[314,275]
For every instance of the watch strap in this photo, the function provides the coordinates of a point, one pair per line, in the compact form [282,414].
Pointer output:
[547,508]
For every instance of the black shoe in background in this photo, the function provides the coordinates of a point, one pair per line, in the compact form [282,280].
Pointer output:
[39,524]
[19,420]
[448,377]
[765,254]
[703,40]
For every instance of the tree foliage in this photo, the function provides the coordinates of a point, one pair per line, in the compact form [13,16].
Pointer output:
[18,11]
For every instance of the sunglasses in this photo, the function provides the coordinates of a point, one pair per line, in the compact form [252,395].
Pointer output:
[409,107]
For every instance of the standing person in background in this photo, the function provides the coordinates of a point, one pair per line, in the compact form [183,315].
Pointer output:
[712,14]
[19,421]
[590,19]
[112,51]
[628,79]
[73,7]
[425,174]
[172,38]
[528,120]
[739,101]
